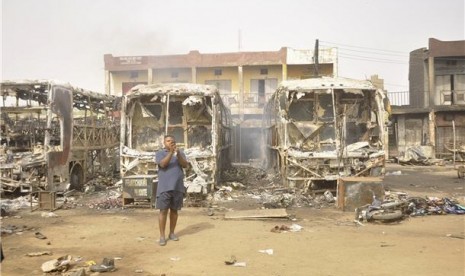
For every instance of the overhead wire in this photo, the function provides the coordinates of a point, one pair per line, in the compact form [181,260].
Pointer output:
[360,53]
[372,59]
[366,52]
[352,46]
[370,54]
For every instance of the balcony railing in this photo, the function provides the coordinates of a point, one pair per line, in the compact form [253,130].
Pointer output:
[250,100]
[399,98]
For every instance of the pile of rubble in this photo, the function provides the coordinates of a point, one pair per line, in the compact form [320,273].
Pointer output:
[421,206]
[397,206]
[248,176]
[266,189]
[288,198]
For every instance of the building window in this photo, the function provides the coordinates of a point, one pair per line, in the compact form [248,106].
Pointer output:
[218,72]
[451,62]
[264,71]
[174,75]
[134,74]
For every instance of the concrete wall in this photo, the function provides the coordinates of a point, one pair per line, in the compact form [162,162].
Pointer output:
[253,72]
[297,72]
[165,75]
[418,73]
[227,73]
[117,79]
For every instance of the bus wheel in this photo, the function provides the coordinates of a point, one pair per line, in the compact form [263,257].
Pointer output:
[76,178]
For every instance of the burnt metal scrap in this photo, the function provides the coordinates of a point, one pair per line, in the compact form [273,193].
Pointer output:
[54,135]
[193,113]
[321,129]
[398,206]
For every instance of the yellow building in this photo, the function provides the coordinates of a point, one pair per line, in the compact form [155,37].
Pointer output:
[246,80]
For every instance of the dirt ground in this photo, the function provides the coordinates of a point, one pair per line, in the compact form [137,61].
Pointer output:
[329,243]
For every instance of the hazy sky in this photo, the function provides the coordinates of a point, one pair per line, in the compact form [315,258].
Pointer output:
[66,39]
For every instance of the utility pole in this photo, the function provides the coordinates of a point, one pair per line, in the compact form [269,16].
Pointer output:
[239,40]
[315,58]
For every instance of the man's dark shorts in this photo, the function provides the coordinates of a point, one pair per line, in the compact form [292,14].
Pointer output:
[170,200]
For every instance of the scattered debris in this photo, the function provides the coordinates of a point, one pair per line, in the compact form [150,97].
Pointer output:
[279,201]
[246,176]
[106,265]
[41,253]
[108,200]
[398,206]
[295,227]
[232,260]
[329,197]
[11,205]
[48,215]
[266,251]
[279,229]
[60,264]
[393,173]
[39,235]
[10,229]
[284,228]
[456,236]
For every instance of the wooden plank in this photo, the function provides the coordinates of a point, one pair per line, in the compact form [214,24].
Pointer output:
[257,214]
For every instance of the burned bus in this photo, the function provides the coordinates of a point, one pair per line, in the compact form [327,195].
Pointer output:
[194,114]
[55,136]
[318,130]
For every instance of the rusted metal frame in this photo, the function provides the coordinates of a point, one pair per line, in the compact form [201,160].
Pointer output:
[123,135]
[129,122]
[337,132]
[373,165]
[304,168]
[216,113]
[79,135]
[215,123]
[49,92]
[48,180]
[107,136]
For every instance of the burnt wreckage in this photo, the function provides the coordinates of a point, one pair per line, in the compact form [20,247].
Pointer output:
[318,130]
[193,113]
[55,136]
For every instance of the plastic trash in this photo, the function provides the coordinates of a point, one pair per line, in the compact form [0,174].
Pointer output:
[266,251]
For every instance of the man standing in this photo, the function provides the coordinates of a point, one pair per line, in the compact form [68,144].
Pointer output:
[170,190]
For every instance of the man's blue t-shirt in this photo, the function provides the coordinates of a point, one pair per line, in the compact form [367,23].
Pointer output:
[170,178]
